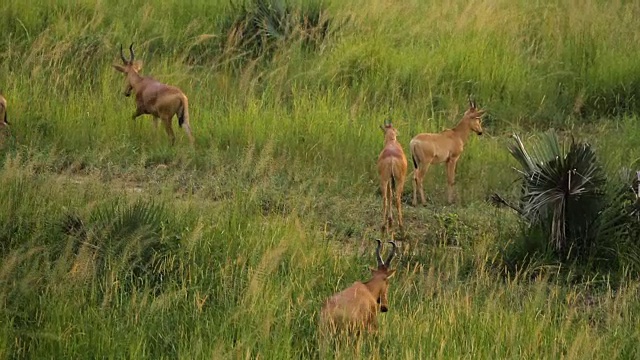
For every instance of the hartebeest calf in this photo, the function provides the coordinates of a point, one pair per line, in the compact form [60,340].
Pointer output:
[392,168]
[155,98]
[444,147]
[356,307]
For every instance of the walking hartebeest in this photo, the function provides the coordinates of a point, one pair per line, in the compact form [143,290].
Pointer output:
[155,98]
[446,146]
[356,307]
[392,168]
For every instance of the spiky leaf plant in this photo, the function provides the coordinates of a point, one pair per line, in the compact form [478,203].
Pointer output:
[619,229]
[573,212]
[259,27]
[563,191]
[129,239]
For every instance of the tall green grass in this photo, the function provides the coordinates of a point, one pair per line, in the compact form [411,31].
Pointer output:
[113,244]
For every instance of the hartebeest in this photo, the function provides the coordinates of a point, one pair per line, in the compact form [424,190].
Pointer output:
[4,119]
[444,147]
[155,98]
[356,307]
[392,168]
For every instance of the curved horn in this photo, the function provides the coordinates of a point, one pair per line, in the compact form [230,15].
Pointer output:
[472,103]
[392,254]
[131,52]
[124,60]
[378,257]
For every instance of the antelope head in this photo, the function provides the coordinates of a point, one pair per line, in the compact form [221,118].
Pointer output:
[129,67]
[390,133]
[382,274]
[473,116]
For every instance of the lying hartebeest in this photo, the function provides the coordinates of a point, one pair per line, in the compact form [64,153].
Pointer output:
[356,307]
[392,168]
[446,146]
[155,98]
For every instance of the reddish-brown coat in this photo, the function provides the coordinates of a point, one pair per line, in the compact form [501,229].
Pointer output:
[4,119]
[155,98]
[444,147]
[392,169]
[356,307]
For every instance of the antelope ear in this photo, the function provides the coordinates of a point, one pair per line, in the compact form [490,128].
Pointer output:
[390,273]
[119,68]
[137,65]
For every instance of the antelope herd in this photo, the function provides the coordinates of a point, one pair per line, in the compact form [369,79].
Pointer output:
[356,307]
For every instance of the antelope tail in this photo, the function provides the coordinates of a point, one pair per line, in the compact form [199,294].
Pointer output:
[393,175]
[413,156]
[183,111]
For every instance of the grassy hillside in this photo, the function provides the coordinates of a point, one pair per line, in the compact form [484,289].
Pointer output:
[114,244]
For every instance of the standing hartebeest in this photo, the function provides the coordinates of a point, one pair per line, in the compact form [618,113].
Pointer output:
[155,98]
[4,120]
[446,146]
[356,307]
[392,168]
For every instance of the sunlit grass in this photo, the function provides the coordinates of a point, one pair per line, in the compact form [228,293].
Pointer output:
[228,249]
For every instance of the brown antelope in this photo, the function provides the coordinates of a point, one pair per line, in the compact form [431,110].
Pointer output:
[155,98]
[356,307]
[392,168]
[4,120]
[444,147]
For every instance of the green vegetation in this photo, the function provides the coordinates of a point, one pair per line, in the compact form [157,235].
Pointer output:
[567,200]
[113,244]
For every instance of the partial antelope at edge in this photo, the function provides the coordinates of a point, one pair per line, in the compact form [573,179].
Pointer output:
[356,307]
[392,169]
[4,118]
[155,98]
[444,147]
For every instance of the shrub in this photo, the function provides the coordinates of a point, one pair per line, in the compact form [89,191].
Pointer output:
[567,200]
[258,28]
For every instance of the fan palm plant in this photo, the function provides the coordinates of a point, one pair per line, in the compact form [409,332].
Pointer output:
[563,190]
[571,207]
[260,26]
